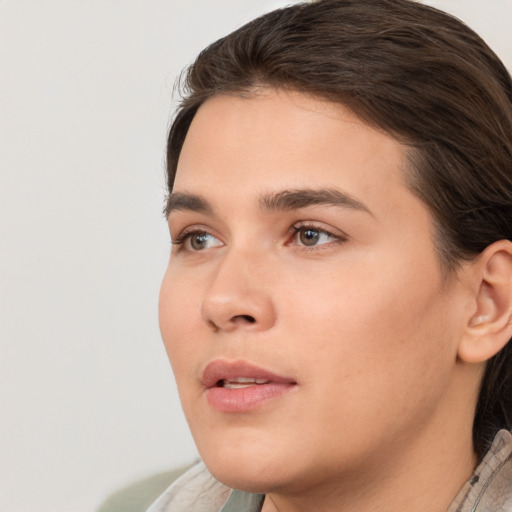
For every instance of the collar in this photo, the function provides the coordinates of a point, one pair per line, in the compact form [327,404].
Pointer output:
[490,485]
[244,502]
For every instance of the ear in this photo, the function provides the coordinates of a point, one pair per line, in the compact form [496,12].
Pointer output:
[490,326]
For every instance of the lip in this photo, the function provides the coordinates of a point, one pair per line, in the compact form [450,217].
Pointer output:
[244,393]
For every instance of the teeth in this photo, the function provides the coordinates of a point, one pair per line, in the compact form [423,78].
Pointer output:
[242,382]
[246,380]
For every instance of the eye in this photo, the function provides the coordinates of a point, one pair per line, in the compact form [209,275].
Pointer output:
[311,236]
[196,241]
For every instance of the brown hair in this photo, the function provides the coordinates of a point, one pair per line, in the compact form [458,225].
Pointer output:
[420,75]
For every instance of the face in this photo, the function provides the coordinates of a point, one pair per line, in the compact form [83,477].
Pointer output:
[303,309]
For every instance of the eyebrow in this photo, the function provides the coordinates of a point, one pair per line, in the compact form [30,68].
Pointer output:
[302,198]
[185,201]
[284,200]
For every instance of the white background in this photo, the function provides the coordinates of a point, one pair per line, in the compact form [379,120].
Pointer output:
[87,399]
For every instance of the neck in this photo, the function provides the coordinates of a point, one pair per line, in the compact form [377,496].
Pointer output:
[404,486]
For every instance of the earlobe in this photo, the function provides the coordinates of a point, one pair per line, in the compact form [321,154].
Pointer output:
[490,326]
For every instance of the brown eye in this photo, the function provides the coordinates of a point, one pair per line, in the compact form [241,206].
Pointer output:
[196,241]
[312,236]
[199,241]
[309,237]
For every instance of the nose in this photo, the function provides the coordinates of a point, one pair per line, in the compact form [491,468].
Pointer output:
[239,295]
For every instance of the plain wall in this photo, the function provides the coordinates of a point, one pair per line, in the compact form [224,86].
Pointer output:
[87,399]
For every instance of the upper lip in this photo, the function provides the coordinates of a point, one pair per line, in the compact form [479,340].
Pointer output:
[219,370]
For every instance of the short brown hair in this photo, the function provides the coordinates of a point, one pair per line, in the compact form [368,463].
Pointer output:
[415,72]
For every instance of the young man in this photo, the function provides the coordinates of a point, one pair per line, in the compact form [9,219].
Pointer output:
[337,306]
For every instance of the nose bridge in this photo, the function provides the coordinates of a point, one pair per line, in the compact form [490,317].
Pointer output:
[239,296]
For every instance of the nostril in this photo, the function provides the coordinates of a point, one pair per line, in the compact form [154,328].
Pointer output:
[245,318]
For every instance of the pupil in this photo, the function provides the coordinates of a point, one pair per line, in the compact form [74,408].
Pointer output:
[198,241]
[309,237]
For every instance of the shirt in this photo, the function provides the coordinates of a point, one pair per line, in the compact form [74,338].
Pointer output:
[489,489]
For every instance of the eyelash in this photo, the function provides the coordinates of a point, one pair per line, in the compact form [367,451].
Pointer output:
[297,228]
[186,235]
[304,226]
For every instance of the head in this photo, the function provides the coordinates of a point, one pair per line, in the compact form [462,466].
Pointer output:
[414,76]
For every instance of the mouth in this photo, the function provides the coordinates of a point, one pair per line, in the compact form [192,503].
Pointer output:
[239,386]
[240,383]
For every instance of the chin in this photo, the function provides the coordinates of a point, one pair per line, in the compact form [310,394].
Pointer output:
[252,468]
[249,479]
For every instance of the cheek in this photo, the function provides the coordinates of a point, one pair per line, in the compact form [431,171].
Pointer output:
[374,332]
[177,312]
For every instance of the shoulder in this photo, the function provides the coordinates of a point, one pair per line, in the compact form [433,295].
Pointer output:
[137,496]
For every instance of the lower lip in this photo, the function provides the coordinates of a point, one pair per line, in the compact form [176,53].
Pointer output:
[245,399]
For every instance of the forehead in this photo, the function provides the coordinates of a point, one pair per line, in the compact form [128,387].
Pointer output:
[238,148]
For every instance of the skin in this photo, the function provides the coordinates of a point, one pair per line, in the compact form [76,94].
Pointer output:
[363,320]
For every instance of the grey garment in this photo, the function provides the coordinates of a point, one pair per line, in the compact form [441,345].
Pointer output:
[490,487]
[198,491]
[488,490]
[139,495]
